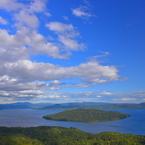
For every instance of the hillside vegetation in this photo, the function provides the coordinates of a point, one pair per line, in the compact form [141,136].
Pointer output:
[64,136]
[86,115]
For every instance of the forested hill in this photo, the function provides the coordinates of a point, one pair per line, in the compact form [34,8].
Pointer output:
[86,115]
[64,136]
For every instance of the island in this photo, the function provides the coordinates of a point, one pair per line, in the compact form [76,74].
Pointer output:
[86,115]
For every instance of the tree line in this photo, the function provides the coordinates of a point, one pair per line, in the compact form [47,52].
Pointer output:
[45,135]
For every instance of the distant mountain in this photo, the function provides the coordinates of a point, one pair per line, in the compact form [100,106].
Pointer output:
[66,106]
[22,105]
[15,106]
[94,105]
[120,106]
[143,103]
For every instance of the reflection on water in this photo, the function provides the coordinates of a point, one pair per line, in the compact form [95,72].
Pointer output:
[31,118]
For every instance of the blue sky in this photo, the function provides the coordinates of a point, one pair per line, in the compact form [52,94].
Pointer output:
[72,51]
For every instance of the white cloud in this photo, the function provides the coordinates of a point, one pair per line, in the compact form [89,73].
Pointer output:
[90,72]
[27,16]
[10,5]
[37,6]
[55,83]
[99,96]
[140,94]
[60,27]
[82,11]
[12,47]
[37,43]
[3,21]
[27,41]
[70,43]
[31,6]
[88,93]
[135,97]
[54,96]
[7,41]
[37,95]
[27,19]
[22,78]
[128,99]
[66,35]
[106,93]
[94,72]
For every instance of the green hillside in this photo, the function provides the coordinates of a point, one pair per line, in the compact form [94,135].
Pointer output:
[86,115]
[64,136]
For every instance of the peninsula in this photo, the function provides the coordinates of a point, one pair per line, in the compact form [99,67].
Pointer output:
[86,115]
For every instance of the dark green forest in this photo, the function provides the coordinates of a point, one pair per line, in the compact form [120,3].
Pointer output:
[86,115]
[46,135]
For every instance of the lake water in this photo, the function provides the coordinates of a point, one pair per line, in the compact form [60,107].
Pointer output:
[32,118]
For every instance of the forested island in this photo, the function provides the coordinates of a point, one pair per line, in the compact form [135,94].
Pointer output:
[86,115]
[45,135]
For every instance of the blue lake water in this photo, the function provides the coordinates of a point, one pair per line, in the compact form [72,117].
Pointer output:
[32,118]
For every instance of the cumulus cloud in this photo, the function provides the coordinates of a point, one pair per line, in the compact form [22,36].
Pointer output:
[37,43]
[27,19]
[27,23]
[70,43]
[20,77]
[67,35]
[27,16]
[59,27]
[10,5]
[30,6]
[90,72]
[36,6]
[3,21]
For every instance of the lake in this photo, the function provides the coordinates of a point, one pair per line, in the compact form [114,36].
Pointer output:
[33,118]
